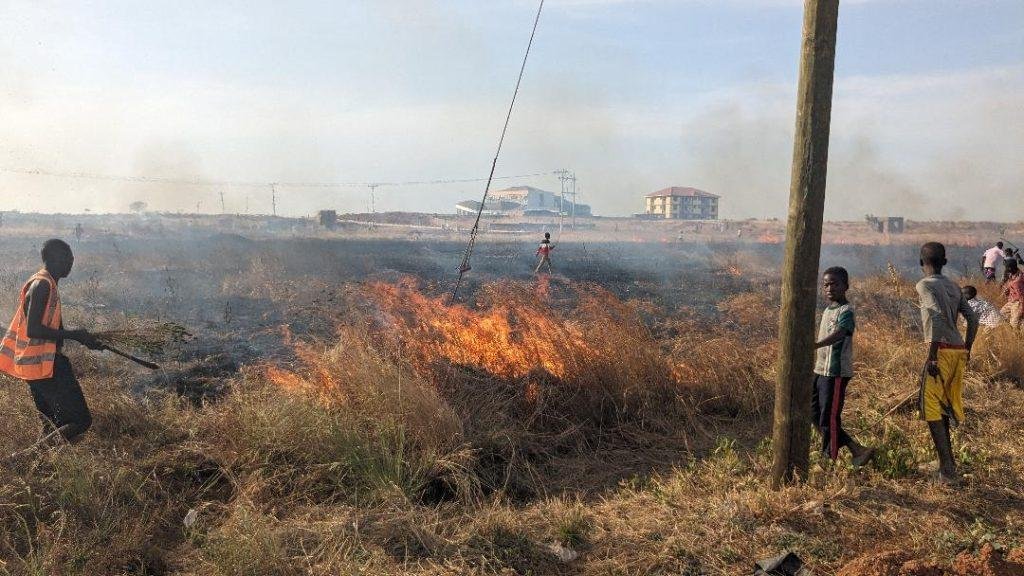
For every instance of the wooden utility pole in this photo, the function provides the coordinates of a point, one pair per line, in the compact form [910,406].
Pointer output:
[792,428]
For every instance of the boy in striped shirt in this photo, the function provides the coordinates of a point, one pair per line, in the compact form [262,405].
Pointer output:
[833,368]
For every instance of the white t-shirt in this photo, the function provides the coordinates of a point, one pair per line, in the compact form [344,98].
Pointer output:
[992,256]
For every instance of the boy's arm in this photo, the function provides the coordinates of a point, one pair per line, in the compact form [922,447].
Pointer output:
[844,329]
[38,296]
[834,338]
[933,359]
[973,320]
[930,313]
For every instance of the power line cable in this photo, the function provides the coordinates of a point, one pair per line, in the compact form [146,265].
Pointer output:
[256,184]
[465,267]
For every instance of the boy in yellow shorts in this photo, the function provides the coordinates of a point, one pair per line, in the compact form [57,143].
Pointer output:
[940,398]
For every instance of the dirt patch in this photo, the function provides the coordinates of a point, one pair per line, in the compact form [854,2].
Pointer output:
[987,562]
[891,563]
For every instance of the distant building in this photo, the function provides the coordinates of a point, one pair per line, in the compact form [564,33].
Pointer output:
[522,201]
[679,203]
[493,207]
[886,225]
[328,218]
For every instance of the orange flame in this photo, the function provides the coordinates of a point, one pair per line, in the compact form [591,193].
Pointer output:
[514,333]
[509,339]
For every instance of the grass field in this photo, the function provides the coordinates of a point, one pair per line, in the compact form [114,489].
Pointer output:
[611,421]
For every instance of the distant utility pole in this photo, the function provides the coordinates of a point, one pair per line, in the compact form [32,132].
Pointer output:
[273,199]
[792,426]
[373,189]
[573,219]
[223,210]
[567,179]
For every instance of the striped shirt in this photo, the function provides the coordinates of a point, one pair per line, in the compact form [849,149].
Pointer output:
[837,359]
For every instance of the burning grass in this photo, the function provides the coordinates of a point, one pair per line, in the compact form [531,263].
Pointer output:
[515,382]
[545,429]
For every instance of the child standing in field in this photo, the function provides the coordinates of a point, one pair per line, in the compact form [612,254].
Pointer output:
[1013,290]
[544,251]
[987,313]
[940,398]
[833,368]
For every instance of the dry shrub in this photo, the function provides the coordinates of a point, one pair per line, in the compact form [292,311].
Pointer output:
[999,352]
[502,544]
[726,376]
[78,515]
[324,452]
[354,376]
[727,362]
[992,292]
[247,543]
[755,312]
[883,353]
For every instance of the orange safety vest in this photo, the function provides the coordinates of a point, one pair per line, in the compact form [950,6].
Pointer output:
[31,358]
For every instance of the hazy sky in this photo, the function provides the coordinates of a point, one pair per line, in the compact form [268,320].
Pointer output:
[634,95]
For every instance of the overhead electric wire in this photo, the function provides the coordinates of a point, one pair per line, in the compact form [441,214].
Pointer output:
[464,267]
[255,184]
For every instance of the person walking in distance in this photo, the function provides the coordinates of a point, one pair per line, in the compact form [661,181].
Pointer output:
[990,259]
[31,348]
[544,251]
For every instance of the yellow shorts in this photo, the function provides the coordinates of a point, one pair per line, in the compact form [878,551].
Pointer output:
[942,395]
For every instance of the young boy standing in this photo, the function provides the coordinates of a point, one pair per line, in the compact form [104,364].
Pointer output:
[940,399]
[833,368]
[988,314]
[544,251]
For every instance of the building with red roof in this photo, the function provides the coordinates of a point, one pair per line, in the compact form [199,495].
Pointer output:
[680,203]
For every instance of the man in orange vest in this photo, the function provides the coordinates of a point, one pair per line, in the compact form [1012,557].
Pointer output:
[31,348]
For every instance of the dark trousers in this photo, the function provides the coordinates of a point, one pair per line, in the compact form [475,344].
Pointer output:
[827,399]
[60,401]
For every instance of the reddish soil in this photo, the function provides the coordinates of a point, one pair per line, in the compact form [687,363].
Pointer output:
[987,562]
